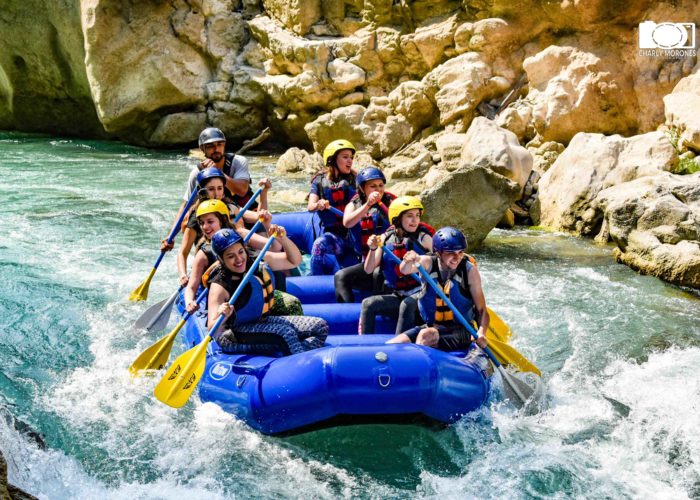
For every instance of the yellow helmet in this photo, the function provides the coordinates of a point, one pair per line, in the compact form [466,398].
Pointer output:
[401,204]
[334,147]
[212,207]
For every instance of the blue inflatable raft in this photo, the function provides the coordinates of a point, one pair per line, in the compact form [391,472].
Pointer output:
[352,379]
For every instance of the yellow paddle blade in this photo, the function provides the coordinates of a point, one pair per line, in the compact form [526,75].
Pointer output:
[509,356]
[141,291]
[176,386]
[498,327]
[155,357]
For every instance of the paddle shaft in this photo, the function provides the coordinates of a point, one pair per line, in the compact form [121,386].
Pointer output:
[337,212]
[176,228]
[455,311]
[250,234]
[248,204]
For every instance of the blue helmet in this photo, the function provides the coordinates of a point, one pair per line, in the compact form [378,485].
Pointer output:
[211,134]
[449,239]
[223,239]
[369,174]
[209,173]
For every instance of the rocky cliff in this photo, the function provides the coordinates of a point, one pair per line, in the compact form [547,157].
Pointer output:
[468,102]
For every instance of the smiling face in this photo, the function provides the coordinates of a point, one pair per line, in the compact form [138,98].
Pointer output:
[215,150]
[375,185]
[235,258]
[215,189]
[209,223]
[450,260]
[343,160]
[410,220]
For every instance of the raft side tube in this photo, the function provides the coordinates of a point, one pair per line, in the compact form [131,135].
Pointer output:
[318,289]
[302,228]
[344,318]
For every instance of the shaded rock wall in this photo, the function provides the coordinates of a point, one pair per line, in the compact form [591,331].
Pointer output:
[43,80]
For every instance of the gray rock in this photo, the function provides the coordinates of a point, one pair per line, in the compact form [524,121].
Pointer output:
[473,199]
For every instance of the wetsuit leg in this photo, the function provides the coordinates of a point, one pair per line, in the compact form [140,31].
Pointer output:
[353,277]
[408,314]
[385,305]
[453,339]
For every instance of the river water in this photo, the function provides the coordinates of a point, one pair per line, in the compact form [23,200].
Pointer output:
[619,354]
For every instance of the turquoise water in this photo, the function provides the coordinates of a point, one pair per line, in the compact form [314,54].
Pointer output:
[619,353]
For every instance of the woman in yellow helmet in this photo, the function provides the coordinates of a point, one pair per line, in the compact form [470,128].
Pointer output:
[334,187]
[407,234]
[211,182]
[212,215]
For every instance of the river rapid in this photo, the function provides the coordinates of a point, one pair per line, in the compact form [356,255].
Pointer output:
[619,353]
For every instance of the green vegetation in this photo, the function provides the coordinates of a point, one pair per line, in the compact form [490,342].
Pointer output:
[686,164]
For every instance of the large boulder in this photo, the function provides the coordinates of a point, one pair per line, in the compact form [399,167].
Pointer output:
[298,162]
[486,144]
[682,109]
[43,82]
[472,198]
[156,71]
[574,90]
[655,223]
[591,163]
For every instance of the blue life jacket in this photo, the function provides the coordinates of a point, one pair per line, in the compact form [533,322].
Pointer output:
[257,297]
[432,308]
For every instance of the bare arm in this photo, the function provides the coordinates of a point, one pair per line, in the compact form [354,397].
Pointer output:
[237,186]
[289,258]
[218,303]
[185,247]
[164,245]
[199,266]
[352,216]
[316,203]
[374,256]
[408,264]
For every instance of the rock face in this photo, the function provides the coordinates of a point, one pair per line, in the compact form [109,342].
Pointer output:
[43,80]
[655,223]
[681,110]
[591,163]
[405,81]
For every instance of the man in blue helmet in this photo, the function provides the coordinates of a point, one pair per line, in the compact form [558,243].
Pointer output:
[451,268]
[212,142]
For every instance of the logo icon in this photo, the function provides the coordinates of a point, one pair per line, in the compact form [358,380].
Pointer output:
[666,35]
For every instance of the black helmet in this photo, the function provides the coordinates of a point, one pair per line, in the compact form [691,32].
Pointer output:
[211,134]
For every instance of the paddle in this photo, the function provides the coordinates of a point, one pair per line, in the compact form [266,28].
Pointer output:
[248,204]
[156,317]
[182,377]
[499,330]
[155,357]
[141,291]
[519,391]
